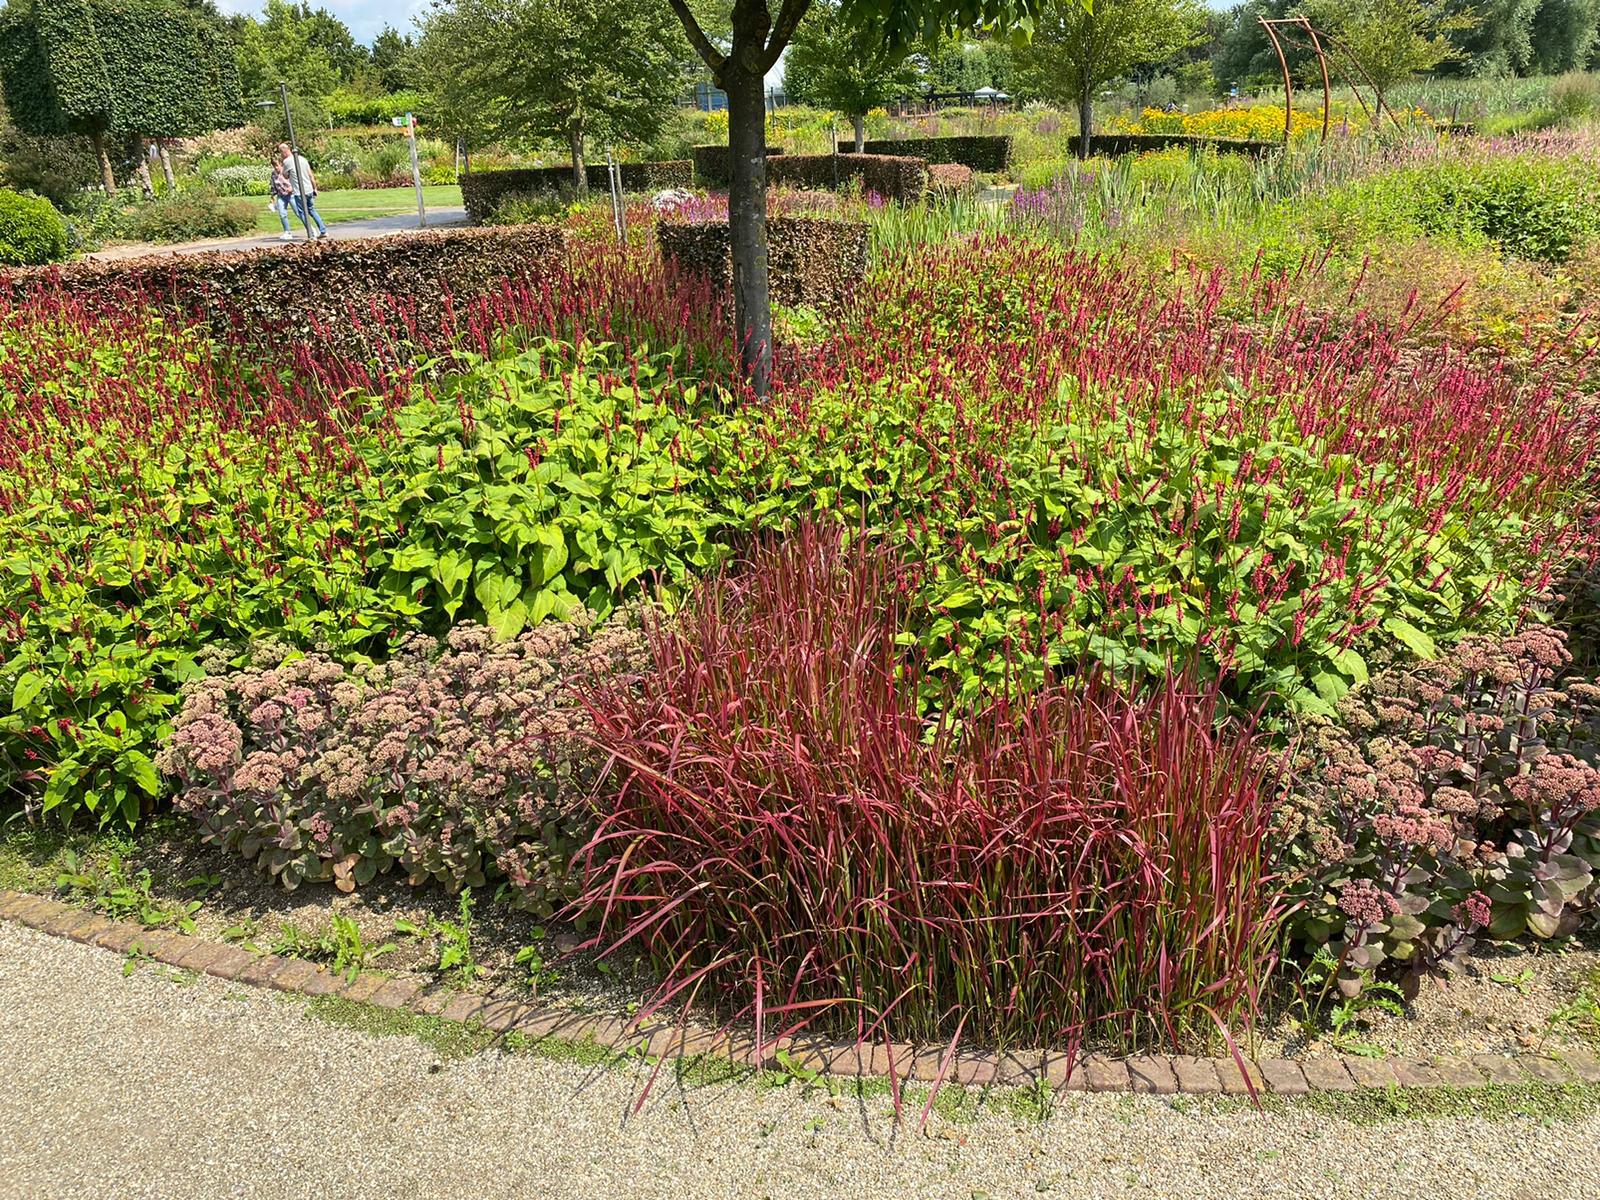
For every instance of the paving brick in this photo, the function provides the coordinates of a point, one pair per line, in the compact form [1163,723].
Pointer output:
[230,963]
[974,1069]
[1064,1072]
[1152,1073]
[1018,1068]
[1372,1072]
[1545,1070]
[899,1052]
[1458,1072]
[260,972]
[1500,1068]
[500,1013]
[1285,1078]
[1102,1074]
[1417,1073]
[1585,1067]
[65,921]
[431,1001]
[41,912]
[464,1007]
[198,954]
[12,903]
[1196,1076]
[87,931]
[292,974]
[321,982]
[120,937]
[1327,1075]
[363,987]
[396,993]
[1233,1079]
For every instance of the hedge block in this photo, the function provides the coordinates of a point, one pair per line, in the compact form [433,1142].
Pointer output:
[979,152]
[482,191]
[320,291]
[812,262]
[892,177]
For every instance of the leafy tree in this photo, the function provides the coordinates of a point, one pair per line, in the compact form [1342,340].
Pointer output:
[568,71]
[1391,40]
[391,52]
[1562,34]
[1074,50]
[962,64]
[1500,43]
[832,66]
[284,45]
[117,69]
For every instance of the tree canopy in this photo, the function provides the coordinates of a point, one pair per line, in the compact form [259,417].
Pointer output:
[122,68]
[570,71]
[1075,50]
[832,65]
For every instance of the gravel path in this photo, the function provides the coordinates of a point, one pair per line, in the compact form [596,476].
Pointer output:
[157,1085]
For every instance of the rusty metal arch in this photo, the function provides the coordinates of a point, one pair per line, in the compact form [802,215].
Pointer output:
[1272,26]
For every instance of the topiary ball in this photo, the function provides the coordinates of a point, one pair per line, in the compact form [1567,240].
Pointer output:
[31,231]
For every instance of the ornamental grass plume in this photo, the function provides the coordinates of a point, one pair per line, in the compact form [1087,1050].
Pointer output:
[787,838]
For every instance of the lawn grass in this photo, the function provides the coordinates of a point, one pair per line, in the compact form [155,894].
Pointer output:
[355,203]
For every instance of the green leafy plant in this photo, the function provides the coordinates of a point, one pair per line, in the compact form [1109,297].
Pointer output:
[341,946]
[122,894]
[455,963]
[31,231]
[534,959]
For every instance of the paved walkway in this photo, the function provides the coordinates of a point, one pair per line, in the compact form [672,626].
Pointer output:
[338,231]
[161,1085]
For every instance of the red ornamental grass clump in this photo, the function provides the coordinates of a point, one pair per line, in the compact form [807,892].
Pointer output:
[790,840]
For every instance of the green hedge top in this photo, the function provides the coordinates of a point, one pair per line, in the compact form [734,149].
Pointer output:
[482,191]
[980,152]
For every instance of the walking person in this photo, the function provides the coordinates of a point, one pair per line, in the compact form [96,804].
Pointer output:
[301,184]
[280,189]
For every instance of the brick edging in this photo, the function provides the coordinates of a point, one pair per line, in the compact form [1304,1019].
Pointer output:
[508,1012]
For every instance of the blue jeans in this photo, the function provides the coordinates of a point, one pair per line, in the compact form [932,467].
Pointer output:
[310,208]
[280,205]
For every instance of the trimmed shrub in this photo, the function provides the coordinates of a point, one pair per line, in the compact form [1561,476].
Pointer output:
[482,191]
[322,290]
[186,217]
[980,153]
[454,763]
[813,261]
[31,231]
[711,167]
[888,176]
[790,838]
[949,178]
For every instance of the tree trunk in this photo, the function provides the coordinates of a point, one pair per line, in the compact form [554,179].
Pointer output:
[747,223]
[580,172]
[144,168]
[861,133]
[166,166]
[108,177]
[1086,118]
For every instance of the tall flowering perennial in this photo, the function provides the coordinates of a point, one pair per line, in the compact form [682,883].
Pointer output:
[1079,464]
[1455,800]
[461,763]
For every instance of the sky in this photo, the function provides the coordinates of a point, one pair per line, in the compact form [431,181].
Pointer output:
[366,18]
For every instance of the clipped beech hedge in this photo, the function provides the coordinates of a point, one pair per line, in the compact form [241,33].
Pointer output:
[891,176]
[482,191]
[711,167]
[813,261]
[317,289]
[979,152]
